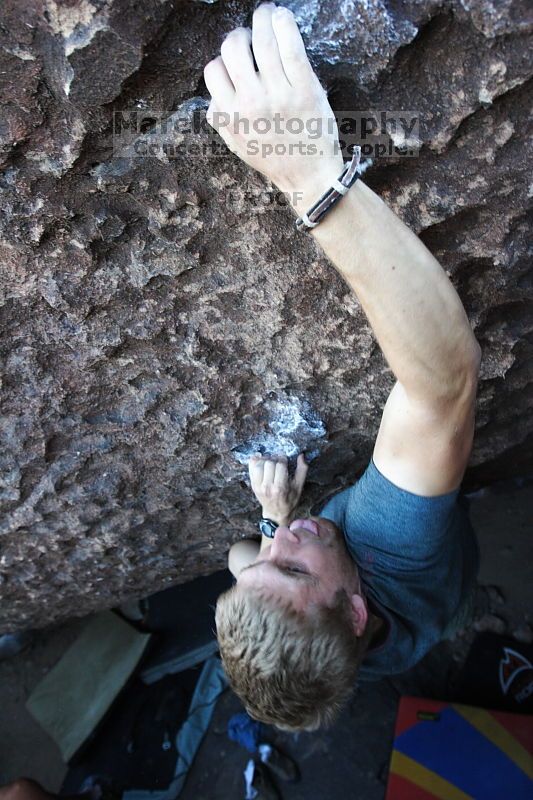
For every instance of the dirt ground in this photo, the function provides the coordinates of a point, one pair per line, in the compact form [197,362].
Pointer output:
[502,517]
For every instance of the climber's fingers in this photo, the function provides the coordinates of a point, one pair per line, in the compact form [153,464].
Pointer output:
[236,53]
[218,82]
[291,48]
[265,47]
[301,472]
[281,477]
[269,472]
[256,467]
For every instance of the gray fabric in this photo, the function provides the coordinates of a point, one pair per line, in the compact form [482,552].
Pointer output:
[179,663]
[464,617]
[418,559]
[211,683]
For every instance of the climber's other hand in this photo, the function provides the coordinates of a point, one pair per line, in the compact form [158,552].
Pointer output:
[277,493]
[277,119]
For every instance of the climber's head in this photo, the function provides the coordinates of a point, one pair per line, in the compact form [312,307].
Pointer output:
[292,630]
[307,563]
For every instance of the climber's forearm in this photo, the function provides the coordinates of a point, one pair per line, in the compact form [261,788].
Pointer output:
[415,312]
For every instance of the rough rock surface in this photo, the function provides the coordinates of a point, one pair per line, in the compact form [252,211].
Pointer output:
[151,335]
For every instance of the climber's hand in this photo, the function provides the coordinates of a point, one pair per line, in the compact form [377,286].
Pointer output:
[278,494]
[284,96]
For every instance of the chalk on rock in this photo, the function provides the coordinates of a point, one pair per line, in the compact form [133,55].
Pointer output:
[290,426]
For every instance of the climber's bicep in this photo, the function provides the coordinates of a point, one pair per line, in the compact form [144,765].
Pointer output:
[424,448]
[242,554]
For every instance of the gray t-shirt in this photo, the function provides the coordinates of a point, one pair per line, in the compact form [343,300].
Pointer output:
[418,559]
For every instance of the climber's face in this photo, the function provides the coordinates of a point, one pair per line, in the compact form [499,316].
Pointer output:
[306,563]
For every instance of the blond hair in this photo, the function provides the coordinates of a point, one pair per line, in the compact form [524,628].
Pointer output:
[291,669]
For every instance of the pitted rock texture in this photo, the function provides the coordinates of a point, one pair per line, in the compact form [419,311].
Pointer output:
[149,327]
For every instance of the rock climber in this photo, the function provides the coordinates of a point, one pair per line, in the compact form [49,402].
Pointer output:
[387,568]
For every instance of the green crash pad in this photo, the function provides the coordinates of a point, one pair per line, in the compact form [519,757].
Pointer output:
[73,698]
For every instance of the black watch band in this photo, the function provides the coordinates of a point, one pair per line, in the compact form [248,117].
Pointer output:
[268,527]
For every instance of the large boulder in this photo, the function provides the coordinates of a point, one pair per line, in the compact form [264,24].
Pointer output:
[157,325]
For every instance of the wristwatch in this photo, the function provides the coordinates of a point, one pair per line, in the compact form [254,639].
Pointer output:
[268,527]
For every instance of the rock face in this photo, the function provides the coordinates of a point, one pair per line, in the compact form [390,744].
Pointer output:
[153,333]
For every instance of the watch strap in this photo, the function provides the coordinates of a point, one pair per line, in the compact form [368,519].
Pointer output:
[351,172]
[268,527]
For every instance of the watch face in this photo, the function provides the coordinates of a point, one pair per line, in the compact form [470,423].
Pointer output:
[267,528]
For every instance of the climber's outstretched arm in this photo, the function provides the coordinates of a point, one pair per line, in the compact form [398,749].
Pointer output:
[427,427]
